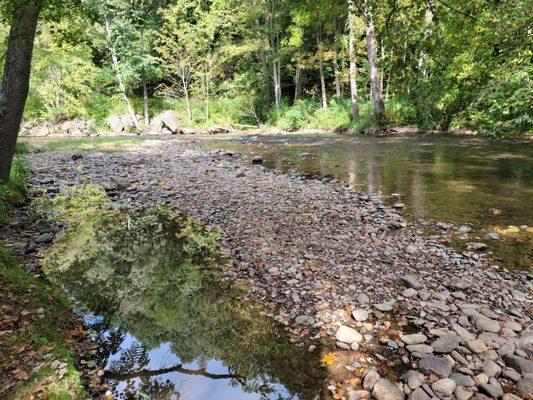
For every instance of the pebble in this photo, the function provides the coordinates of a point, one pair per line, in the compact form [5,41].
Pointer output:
[383,307]
[462,379]
[525,388]
[490,368]
[360,315]
[419,394]
[370,379]
[435,365]
[45,238]
[444,386]
[414,379]
[348,335]
[420,348]
[494,391]
[486,324]
[415,338]
[386,390]
[363,299]
[477,346]
[411,281]
[445,344]
[304,320]
[462,393]
[520,364]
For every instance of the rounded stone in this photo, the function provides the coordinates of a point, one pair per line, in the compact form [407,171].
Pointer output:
[348,335]
[444,386]
[360,315]
[386,390]
[415,338]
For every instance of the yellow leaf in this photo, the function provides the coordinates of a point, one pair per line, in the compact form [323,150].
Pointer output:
[328,359]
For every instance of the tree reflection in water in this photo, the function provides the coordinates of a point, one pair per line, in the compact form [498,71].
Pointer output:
[167,325]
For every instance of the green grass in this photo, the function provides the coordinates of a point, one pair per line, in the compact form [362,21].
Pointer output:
[46,335]
[94,143]
[15,190]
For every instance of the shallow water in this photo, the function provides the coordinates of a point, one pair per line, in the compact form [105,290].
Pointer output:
[168,328]
[464,181]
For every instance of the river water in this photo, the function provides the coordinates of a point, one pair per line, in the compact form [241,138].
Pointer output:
[486,185]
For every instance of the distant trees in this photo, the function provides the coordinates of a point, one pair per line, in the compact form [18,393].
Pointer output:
[439,64]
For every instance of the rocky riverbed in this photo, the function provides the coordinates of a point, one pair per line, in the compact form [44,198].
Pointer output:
[338,265]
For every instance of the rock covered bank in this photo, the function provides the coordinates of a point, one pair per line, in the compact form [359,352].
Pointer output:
[413,318]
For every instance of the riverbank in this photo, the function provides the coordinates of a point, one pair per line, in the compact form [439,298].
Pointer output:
[45,351]
[338,265]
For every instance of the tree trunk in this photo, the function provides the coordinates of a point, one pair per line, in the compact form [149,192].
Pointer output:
[375,83]
[145,89]
[428,18]
[336,69]
[353,67]
[116,67]
[186,92]
[16,79]
[206,96]
[297,82]
[321,70]
[264,63]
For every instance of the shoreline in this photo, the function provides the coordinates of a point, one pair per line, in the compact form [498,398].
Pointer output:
[385,132]
[326,256]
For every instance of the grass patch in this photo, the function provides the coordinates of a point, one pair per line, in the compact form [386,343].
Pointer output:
[15,190]
[36,355]
[98,143]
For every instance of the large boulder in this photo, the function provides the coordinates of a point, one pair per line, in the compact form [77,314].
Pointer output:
[116,124]
[75,127]
[166,122]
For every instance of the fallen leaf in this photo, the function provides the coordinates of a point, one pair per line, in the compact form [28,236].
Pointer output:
[329,358]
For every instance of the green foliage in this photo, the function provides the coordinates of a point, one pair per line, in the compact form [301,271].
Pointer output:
[460,65]
[77,204]
[15,190]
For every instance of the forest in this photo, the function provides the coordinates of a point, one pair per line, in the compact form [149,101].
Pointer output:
[325,64]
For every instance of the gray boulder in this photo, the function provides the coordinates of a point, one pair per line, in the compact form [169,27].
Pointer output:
[166,122]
